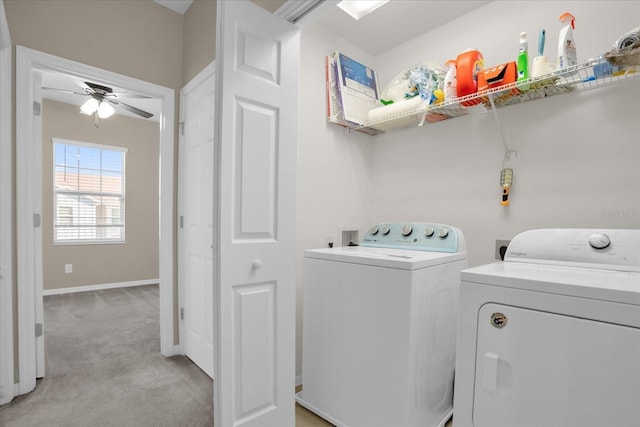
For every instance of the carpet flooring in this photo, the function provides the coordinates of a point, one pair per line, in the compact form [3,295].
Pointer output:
[104,367]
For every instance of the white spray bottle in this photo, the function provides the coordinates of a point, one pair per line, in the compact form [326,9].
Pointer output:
[567,55]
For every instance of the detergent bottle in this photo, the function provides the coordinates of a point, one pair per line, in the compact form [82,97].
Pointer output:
[450,85]
[567,55]
[523,60]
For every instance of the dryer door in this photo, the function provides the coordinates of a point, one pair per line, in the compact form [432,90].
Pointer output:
[537,369]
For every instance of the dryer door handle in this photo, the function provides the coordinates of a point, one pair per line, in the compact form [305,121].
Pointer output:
[490,378]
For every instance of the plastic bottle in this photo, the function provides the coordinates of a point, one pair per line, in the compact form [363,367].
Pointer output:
[450,84]
[468,65]
[523,60]
[567,56]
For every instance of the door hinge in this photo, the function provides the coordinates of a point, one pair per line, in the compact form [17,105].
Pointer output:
[36,220]
[181,221]
[181,313]
[38,330]
[181,126]
[36,108]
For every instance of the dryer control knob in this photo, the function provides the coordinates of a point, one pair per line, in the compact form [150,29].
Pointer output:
[429,231]
[443,232]
[385,230]
[373,231]
[406,230]
[599,241]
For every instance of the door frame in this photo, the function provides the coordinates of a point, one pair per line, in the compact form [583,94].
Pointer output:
[6,215]
[28,189]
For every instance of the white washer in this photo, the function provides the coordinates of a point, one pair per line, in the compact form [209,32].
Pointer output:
[551,336]
[379,326]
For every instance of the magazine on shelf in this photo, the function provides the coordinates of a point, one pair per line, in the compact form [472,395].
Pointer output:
[352,90]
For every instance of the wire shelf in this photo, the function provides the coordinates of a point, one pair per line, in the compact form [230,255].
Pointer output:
[590,75]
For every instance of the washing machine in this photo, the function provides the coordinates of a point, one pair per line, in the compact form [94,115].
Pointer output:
[551,336]
[379,327]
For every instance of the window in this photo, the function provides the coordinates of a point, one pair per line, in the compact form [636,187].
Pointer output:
[88,192]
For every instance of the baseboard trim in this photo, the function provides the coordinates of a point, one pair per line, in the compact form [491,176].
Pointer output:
[87,288]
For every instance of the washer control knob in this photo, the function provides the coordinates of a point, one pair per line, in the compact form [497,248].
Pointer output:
[385,230]
[374,230]
[443,233]
[429,231]
[599,241]
[406,230]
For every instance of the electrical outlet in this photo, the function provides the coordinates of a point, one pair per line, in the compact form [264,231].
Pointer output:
[501,249]
[68,268]
[330,241]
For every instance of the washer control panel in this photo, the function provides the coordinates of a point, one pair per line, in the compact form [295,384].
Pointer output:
[416,236]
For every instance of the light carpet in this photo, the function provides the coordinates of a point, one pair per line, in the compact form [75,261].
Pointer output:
[104,367]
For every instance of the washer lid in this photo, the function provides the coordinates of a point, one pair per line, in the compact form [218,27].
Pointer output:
[384,257]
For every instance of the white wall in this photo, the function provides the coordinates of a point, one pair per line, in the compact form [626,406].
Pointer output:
[578,162]
[333,188]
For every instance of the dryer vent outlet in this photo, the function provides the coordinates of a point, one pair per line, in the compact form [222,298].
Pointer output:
[501,248]
[350,238]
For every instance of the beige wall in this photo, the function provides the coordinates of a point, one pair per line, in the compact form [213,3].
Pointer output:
[137,258]
[136,38]
[199,38]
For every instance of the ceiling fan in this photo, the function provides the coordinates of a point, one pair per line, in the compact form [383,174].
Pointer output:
[102,99]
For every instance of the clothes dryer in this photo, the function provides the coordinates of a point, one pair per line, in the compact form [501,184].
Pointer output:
[551,336]
[379,326]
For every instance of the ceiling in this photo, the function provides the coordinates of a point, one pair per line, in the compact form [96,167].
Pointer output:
[395,22]
[387,27]
[179,6]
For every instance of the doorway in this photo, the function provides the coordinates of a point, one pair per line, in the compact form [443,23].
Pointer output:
[29,196]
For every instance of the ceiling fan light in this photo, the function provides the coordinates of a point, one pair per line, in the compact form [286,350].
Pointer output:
[360,8]
[89,107]
[105,110]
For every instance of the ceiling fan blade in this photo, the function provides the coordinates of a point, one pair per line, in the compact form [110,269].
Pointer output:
[99,88]
[128,95]
[131,108]
[64,91]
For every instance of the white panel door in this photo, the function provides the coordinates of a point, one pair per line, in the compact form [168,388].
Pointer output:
[196,220]
[257,105]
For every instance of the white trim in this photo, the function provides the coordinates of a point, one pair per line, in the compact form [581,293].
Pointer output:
[203,75]
[27,62]
[25,232]
[7,386]
[302,13]
[66,141]
[102,287]
[200,78]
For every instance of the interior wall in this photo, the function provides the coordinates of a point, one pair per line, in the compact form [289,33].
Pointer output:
[333,187]
[95,264]
[578,161]
[140,39]
[199,38]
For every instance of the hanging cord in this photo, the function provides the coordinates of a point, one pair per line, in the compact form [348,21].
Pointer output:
[508,152]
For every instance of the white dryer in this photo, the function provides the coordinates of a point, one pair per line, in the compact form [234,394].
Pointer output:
[379,326]
[551,336]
